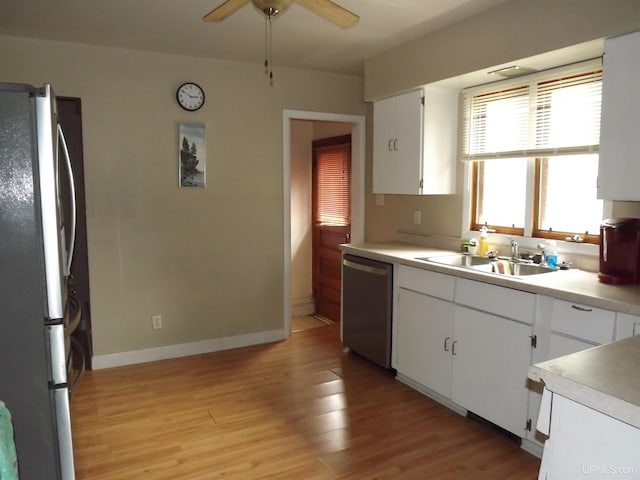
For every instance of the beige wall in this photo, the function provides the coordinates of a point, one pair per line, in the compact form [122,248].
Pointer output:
[511,31]
[301,152]
[208,260]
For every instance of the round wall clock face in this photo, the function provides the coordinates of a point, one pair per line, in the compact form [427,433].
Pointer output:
[190,96]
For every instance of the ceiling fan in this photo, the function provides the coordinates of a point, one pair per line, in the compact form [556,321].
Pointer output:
[270,8]
[325,8]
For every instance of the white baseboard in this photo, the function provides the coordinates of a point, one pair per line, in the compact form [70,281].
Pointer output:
[302,306]
[534,448]
[185,349]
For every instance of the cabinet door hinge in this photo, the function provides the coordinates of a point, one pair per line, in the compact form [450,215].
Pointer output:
[528,426]
[534,340]
[421,184]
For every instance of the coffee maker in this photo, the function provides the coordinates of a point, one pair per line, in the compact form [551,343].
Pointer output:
[620,251]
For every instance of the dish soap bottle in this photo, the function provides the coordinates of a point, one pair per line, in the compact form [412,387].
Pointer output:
[551,255]
[483,243]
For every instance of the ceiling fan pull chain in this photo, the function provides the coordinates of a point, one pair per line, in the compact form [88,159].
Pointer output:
[270,50]
[266,46]
[268,42]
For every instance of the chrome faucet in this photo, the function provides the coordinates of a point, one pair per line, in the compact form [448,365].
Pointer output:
[514,250]
[543,251]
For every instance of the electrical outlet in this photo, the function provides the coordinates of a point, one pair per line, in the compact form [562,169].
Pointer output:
[156,322]
[417,217]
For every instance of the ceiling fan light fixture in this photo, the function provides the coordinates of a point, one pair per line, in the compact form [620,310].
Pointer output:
[271,8]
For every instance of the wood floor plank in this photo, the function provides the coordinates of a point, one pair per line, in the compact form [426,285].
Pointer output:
[297,409]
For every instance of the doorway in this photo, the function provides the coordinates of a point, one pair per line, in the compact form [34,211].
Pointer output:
[331,221]
[292,120]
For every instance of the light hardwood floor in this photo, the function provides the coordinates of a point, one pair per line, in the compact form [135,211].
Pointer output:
[298,409]
[305,322]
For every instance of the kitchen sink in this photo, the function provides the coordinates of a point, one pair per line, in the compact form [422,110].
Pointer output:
[458,260]
[516,269]
[489,265]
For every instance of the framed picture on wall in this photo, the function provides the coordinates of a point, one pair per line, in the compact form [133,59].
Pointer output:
[192,158]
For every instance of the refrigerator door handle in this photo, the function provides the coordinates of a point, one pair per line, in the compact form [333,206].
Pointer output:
[72,239]
[49,204]
[65,444]
[60,391]
[58,355]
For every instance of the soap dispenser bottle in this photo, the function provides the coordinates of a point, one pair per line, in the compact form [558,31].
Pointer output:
[483,243]
[551,256]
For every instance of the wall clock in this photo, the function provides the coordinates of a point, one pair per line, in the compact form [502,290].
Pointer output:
[190,96]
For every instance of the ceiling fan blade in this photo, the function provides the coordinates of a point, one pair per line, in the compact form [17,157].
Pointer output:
[223,11]
[331,11]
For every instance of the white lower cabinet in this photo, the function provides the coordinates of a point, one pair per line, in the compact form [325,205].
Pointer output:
[563,328]
[627,326]
[491,359]
[424,338]
[561,345]
[469,344]
[585,443]
[476,359]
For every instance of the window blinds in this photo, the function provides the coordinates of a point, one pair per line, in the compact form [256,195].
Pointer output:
[541,115]
[332,181]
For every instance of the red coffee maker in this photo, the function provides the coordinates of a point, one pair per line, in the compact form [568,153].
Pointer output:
[620,251]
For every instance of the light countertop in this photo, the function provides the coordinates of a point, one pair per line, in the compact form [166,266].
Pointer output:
[570,285]
[604,378]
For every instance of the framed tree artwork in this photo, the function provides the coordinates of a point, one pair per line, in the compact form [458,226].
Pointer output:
[192,155]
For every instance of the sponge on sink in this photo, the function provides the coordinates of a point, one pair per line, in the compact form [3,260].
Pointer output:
[501,266]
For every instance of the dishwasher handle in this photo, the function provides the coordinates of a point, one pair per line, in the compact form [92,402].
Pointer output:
[364,268]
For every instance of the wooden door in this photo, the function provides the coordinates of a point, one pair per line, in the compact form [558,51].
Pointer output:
[331,220]
[327,268]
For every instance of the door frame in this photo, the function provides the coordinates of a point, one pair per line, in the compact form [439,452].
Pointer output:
[358,147]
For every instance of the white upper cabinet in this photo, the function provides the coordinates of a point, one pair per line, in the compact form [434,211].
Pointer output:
[619,167]
[397,143]
[414,142]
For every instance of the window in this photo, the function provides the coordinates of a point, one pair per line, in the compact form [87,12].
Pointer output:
[533,147]
[331,181]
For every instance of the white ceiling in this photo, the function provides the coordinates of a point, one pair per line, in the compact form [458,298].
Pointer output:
[300,38]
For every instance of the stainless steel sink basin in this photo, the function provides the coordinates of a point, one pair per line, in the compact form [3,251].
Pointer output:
[458,260]
[488,265]
[516,269]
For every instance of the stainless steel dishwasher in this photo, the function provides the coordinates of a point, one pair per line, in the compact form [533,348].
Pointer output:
[366,308]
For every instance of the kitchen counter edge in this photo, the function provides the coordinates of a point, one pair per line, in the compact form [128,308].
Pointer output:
[604,378]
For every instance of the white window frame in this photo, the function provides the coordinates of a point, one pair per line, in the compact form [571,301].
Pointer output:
[526,241]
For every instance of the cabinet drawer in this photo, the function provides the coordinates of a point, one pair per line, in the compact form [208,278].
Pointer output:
[581,321]
[559,345]
[424,281]
[498,300]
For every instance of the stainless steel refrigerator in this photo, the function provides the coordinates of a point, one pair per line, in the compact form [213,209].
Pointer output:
[37,218]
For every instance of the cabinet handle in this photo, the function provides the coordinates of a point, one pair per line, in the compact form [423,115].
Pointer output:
[395,144]
[582,309]
[453,347]
[389,145]
[446,342]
